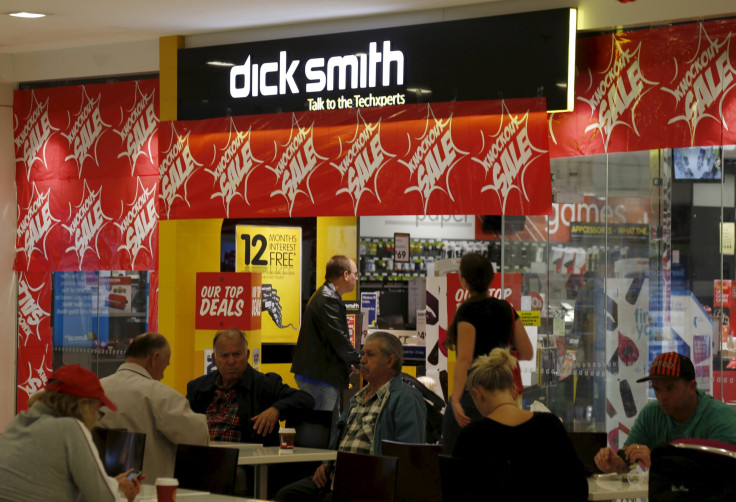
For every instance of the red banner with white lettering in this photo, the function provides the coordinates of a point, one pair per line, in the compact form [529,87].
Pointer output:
[87,176]
[665,87]
[485,157]
[228,301]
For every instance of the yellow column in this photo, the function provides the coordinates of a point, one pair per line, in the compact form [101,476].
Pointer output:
[167,71]
[185,248]
[336,235]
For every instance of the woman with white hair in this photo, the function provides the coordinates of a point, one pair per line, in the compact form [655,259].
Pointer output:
[529,455]
[47,453]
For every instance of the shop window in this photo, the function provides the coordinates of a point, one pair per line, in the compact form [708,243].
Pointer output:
[95,315]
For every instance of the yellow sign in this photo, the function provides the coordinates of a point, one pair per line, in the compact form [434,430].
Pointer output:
[531,318]
[728,242]
[275,252]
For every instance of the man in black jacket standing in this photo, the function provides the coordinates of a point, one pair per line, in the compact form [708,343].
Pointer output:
[242,404]
[324,355]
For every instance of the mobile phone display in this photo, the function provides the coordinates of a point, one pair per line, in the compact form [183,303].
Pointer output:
[134,474]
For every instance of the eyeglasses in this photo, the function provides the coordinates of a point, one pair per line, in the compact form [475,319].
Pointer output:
[356,274]
[100,414]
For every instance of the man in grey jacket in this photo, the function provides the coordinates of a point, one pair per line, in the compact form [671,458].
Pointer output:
[149,406]
[324,355]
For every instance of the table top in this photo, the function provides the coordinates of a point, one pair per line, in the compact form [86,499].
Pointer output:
[276,455]
[148,494]
[232,444]
[611,487]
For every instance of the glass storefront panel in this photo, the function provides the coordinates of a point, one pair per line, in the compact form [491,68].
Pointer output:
[95,315]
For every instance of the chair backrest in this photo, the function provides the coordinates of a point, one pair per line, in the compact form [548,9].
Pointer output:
[418,474]
[119,449]
[685,473]
[364,478]
[312,428]
[206,468]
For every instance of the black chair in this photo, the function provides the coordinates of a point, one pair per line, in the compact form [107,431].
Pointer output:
[418,475]
[364,478]
[692,472]
[119,449]
[206,468]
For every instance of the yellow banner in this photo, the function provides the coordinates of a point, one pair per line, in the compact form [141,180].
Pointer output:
[275,252]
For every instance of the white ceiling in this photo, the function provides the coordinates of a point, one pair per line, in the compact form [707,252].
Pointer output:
[76,23]
[72,23]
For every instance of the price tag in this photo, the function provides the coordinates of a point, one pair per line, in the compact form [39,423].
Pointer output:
[401,248]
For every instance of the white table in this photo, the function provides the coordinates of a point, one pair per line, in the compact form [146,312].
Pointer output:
[262,456]
[612,488]
[148,494]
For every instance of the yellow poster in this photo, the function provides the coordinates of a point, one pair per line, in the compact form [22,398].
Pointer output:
[275,252]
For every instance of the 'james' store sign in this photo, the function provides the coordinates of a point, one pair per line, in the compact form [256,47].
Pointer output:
[515,56]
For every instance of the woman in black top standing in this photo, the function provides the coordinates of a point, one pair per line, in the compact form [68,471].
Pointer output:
[481,324]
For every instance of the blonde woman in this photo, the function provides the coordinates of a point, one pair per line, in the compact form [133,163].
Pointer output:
[47,453]
[515,446]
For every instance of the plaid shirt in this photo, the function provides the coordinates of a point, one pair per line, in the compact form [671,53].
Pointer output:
[222,415]
[361,423]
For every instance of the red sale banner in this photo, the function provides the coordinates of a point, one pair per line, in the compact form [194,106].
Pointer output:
[87,176]
[661,88]
[228,300]
[485,157]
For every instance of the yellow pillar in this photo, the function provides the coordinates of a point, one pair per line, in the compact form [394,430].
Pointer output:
[336,235]
[167,71]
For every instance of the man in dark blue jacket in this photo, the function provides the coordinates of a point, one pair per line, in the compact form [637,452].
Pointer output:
[324,355]
[242,404]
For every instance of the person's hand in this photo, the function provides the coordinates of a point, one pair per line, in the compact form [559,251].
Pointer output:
[354,370]
[130,488]
[639,453]
[457,409]
[264,422]
[607,461]
[320,476]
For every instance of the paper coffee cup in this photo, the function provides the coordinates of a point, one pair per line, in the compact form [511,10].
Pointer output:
[287,436]
[166,489]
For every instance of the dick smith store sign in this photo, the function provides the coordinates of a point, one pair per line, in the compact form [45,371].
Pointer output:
[513,56]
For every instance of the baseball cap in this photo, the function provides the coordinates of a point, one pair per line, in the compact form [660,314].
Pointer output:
[77,381]
[671,365]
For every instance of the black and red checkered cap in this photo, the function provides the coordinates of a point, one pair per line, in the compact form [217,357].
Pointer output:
[671,365]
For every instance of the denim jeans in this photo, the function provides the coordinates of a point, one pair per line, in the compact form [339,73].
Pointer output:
[326,397]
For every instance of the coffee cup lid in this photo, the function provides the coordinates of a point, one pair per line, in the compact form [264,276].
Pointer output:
[167,482]
[287,430]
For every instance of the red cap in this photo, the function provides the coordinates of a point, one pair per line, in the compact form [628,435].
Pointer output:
[80,382]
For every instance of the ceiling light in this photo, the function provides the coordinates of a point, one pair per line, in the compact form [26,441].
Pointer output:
[220,63]
[28,15]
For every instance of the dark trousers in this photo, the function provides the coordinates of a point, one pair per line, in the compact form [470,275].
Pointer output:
[303,490]
[450,427]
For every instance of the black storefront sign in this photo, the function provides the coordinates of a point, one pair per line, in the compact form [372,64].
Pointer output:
[500,57]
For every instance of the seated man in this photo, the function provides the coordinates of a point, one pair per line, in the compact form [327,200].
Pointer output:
[386,408]
[242,404]
[681,411]
[147,405]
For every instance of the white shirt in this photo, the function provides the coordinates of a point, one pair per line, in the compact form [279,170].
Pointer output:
[149,406]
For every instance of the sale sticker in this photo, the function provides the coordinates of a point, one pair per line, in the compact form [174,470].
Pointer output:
[228,301]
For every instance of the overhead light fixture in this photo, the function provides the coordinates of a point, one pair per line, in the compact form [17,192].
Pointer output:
[220,63]
[27,15]
[571,40]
